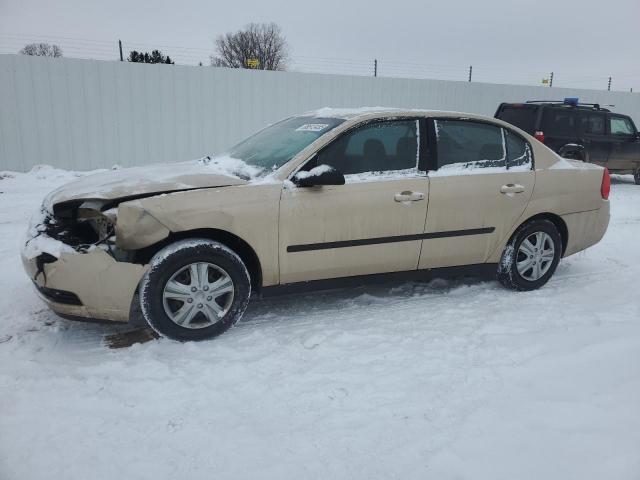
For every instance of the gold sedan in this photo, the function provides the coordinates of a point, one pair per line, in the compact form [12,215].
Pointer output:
[327,198]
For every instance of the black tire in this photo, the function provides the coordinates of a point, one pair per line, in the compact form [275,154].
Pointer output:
[177,256]
[636,176]
[508,273]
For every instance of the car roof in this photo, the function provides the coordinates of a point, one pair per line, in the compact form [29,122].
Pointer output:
[365,113]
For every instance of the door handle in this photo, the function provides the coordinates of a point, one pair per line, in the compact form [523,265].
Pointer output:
[408,196]
[511,188]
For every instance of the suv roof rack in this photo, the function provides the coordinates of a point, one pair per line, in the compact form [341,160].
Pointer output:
[595,106]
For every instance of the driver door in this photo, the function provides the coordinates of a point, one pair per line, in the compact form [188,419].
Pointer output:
[373,223]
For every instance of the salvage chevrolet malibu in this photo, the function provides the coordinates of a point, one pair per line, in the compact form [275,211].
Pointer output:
[315,199]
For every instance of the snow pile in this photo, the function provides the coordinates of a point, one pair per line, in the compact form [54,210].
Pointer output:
[45,244]
[149,179]
[384,175]
[474,168]
[227,165]
[561,164]
[37,241]
[314,172]
[456,379]
[346,113]
[569,164]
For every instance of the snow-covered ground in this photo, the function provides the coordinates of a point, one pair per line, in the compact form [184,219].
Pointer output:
[448,380]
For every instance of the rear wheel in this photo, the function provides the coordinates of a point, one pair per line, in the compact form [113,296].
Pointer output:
[636,176]
[194,290]
[531,256]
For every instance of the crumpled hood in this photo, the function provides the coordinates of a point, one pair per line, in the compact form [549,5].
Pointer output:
[147,180]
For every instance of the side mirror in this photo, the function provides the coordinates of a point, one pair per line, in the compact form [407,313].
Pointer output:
[320,175]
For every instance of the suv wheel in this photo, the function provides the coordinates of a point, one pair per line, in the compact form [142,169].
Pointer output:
[531,256]
[194,290]
[636,176]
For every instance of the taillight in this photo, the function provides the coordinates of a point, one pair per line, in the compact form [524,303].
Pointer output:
[605,188]
[539,136]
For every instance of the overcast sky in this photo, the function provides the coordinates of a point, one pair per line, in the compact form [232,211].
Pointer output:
[506,41]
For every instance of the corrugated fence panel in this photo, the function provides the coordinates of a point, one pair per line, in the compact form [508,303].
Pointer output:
[86,114]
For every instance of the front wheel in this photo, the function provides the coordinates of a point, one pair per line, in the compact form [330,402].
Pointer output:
[531,256]
[194,289]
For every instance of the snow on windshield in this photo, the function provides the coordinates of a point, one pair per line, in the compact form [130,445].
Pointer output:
[276,144]
[227,165]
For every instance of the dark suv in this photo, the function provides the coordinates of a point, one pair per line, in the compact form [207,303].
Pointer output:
[580,131]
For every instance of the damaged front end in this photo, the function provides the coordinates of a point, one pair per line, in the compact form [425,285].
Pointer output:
[88,246]
[73,226]
[72,255]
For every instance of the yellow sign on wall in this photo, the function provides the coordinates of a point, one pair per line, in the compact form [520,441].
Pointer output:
[253,63]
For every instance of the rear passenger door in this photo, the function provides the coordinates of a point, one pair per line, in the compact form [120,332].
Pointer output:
[594,137]
[480,180]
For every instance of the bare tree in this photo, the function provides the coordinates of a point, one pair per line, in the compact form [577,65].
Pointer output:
[42,50]
[259,45]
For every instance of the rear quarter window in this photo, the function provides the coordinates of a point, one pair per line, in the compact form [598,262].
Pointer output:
[523,117]
[518,151]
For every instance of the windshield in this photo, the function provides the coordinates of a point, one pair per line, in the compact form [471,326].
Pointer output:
[274,146]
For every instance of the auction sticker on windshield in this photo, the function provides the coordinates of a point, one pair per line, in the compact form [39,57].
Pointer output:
[312,127]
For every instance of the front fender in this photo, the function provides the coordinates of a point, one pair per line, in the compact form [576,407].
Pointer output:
[137,228]
[250,212]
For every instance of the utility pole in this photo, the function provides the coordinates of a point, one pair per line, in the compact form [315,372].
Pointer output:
[375,67]
[551,80]
[470,71]
[120,45]
[609,86]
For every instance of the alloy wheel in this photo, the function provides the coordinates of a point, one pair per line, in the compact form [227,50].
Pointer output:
[535,256]
[198,295]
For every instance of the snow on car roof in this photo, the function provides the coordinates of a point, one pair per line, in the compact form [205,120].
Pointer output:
[350,113]
[346,113]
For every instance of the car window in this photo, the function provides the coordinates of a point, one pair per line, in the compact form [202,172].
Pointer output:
[470,144]
[375,147]
[558,122]
[522,116]
[620,126]
[593,123]
[518,151]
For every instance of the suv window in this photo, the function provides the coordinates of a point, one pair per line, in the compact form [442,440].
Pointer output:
[376,147]
[620,126]
[558,122]
[468,142]
[518,150]
[523,117]
[593,123]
